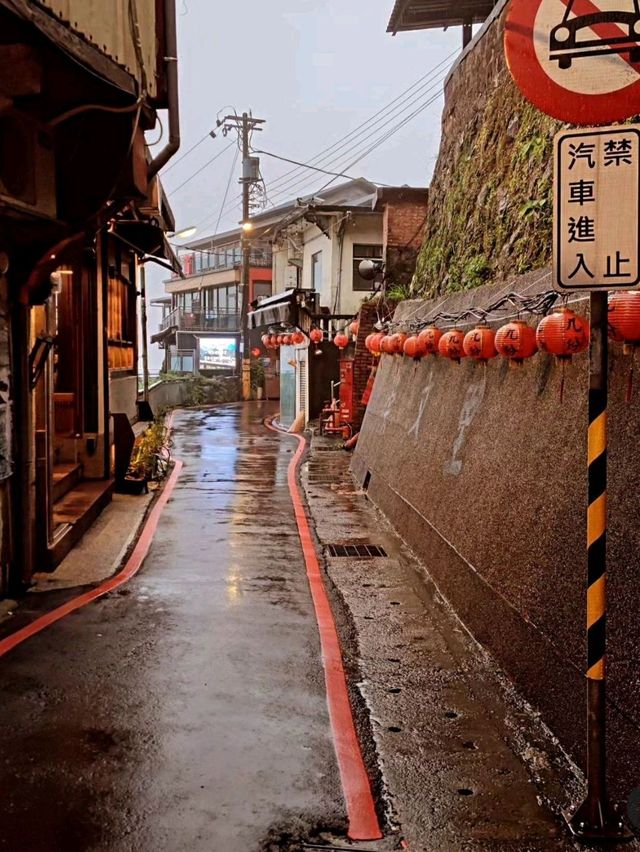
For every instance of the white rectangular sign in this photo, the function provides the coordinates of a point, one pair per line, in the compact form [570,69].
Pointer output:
[596,227]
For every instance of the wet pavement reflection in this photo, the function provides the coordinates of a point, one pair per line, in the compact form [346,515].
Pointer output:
[186,711]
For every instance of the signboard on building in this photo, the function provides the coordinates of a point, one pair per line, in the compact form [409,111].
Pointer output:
[576,60]
[597,209]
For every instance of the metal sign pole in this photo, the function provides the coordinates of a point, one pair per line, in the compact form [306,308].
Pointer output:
[595,819]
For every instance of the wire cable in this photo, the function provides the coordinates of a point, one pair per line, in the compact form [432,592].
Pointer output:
[186,153]
[308,166]
[359,130]
[401,103]
[226,192]
[386,135]
[201,169]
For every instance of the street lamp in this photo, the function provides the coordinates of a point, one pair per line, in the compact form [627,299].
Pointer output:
[184,234]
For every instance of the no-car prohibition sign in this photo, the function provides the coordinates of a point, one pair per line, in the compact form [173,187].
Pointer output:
[576,60]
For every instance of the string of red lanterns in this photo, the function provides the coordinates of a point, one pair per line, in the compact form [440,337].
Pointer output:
[562,333]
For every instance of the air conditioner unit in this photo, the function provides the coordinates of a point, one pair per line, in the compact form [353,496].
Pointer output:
[27,165]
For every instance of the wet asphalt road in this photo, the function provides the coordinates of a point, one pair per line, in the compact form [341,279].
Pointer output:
[186,711]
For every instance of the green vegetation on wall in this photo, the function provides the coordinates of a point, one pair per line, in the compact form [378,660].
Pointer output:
[491,199]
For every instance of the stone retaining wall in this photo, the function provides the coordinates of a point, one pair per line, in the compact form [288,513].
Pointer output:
[482,470]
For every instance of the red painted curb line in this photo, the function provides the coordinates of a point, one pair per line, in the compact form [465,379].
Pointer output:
[131,567]
[363,820]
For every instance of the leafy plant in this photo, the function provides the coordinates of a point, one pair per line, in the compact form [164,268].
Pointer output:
[476,271]
[399,292]
[533,208]
[532,149]
[147,450]
[257,373]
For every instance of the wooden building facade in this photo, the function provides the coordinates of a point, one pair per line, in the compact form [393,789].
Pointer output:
[81,208]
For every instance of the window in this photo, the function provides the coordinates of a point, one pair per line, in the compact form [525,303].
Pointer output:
[364,252]
[316,271]
[121,313]
[261,289]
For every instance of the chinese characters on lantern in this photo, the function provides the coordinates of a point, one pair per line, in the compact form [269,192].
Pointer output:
[596,208]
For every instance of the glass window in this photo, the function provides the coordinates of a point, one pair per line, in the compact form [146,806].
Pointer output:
[364,252]
[316,270]
[261,289]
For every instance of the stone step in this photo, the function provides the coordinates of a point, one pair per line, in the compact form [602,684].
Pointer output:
[66,476]
[74,513]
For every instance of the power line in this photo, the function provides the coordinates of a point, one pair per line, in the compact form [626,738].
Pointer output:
[226,192]
[201,169]
[423,84]
[186,153]
[357,147]
[362,154]
[306,165]
[390,108]
[404,101]
[381,140]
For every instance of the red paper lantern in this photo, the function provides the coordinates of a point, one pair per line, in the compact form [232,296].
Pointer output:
[451,345]
[354,327]
[624,317]
[479,344]
[341,340]
[279,339]
[563,333]
[396,343]
[286,340]
[256,351]
[273,341]
[375,342]
[516,340]
[387,345]
[414,347]
[315,335]
[430,338]
[297,337]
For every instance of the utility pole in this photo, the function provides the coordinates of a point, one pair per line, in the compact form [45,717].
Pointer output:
[245,125]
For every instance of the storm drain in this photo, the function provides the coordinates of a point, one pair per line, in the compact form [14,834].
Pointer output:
[359,551]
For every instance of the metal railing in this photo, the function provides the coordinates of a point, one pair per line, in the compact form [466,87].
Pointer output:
[194,263]
[217,320]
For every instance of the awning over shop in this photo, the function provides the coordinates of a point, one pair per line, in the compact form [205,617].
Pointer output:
[162,336]
[428,14]
[148,239]
[281,309]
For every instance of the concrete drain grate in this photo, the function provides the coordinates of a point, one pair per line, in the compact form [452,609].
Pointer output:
[358,551]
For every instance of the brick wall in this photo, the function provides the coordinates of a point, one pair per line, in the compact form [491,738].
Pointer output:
[405,211]
[363,361]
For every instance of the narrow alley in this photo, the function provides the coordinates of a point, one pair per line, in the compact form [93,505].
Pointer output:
[319,416]
[187,709]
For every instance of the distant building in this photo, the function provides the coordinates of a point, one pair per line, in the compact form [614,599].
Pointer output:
[200,328]
[318,243]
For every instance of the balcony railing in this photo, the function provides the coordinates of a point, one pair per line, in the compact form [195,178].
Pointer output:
[195,263]
[219,320]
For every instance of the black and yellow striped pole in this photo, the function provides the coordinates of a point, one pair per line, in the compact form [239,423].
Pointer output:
[595,819]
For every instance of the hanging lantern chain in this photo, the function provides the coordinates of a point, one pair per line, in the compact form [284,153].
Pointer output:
[540,304]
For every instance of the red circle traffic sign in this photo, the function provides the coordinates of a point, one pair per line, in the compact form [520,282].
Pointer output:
[576,60]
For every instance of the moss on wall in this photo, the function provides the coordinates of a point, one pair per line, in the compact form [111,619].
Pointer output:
[490,202]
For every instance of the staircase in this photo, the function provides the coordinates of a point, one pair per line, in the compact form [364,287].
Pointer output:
[77,502]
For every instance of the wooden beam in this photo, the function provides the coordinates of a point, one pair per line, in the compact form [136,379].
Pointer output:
[20,70]
[70,43]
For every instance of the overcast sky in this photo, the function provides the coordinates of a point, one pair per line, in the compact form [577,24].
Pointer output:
[314,70]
